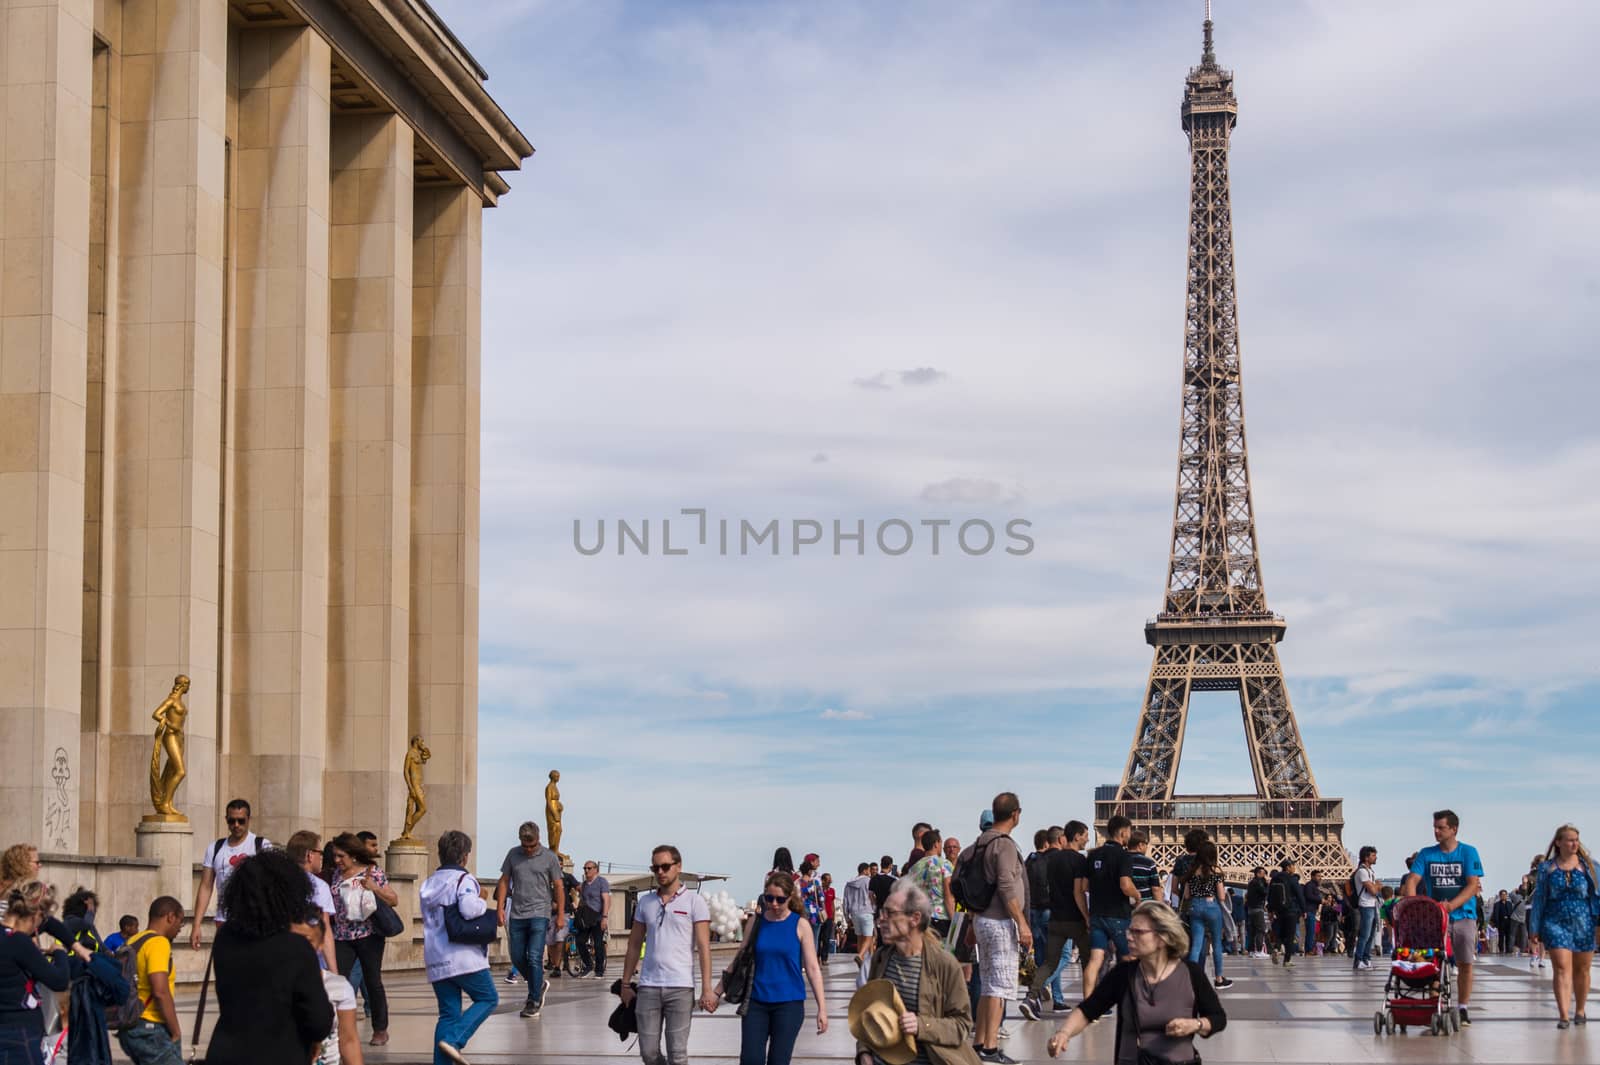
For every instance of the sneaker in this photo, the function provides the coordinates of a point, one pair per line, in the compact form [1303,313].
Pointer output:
[996,1055]
[530,1011]
[452,1053]
[513,977]
[1223,984]
[555,974]
[1003,1033]
[543,991]
[1288,963]
[1060,1007]
[1465,1017]
[1028,1009]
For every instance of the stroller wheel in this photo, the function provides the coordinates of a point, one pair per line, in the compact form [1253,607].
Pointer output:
[1377,1023]
[1388,1020]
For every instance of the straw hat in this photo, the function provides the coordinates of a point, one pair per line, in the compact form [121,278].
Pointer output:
[874,1019]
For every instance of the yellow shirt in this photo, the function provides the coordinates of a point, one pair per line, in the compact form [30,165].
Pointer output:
[155,956]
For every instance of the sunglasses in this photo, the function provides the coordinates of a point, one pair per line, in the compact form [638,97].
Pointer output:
[237,820]
[775,900]
[663,867]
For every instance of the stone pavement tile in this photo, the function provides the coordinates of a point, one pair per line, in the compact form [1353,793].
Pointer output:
[1318,1012]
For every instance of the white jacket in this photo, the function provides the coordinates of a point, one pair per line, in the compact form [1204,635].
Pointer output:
[444,959]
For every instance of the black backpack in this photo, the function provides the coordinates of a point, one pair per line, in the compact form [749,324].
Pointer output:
[216,848]
[1278,896]
[971,888]
[126,1013]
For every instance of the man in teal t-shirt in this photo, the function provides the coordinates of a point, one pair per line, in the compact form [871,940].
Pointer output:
[1451,873]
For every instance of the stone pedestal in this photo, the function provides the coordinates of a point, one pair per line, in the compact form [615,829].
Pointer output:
[171,843]
[407,857]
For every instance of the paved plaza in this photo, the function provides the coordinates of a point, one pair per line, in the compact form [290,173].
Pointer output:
[1320,1011]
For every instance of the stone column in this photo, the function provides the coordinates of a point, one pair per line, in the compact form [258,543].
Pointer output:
[278,510]
[369,604]
[46,88]
[163,408]
[448,248]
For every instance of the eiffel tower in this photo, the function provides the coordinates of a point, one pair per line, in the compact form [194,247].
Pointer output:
[1214,632]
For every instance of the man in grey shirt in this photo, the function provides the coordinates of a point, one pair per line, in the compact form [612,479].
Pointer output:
[533,875]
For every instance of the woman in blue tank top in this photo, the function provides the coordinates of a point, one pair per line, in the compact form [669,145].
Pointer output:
[785,954]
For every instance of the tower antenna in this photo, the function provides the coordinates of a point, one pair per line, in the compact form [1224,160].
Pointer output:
[1208,57]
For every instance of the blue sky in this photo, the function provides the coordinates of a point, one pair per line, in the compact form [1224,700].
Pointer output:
[749,226]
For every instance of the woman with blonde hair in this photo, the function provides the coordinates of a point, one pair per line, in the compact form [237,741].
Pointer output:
[784,956]
[19,863]
[1566,899]
[1162,999]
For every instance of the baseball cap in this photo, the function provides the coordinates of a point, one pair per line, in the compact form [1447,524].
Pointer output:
[985,820]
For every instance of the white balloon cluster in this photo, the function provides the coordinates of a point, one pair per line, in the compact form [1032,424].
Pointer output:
[726,917]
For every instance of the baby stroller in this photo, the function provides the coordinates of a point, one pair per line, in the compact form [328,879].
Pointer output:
[1418,991]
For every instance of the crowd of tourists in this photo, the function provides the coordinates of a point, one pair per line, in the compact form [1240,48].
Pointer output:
[941,943]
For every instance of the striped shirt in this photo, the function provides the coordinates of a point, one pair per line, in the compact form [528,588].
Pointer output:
[906,976]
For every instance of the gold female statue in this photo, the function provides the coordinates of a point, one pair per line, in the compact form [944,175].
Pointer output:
[169,718]
[416,806]
[552,813]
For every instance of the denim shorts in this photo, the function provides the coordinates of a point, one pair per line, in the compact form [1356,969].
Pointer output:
[1106,933]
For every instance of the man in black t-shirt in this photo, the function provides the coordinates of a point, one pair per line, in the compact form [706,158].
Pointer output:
[1112,897]
[879,885]
[1255,906]
[1067,888]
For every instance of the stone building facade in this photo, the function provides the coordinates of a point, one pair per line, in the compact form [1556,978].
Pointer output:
[240,261]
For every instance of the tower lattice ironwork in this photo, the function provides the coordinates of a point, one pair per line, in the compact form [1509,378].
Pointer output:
[1215,632]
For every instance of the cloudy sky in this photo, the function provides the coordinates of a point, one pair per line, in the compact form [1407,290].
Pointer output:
[922,262]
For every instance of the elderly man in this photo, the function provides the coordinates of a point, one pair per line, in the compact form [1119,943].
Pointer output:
[927,977]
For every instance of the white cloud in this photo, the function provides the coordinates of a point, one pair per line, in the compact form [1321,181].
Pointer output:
[830,714]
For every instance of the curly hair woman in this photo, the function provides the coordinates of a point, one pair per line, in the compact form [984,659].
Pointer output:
[271,1005]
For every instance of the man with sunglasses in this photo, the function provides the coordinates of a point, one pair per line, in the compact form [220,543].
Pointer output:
[221,858]
[676,923]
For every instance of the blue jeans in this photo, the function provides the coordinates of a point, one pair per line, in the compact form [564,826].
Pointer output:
[526,937]
[149,1043]
[1311,934]
[1039,925]
[454,1026]
[768,1030]
[1369,924]
[1109,934]
[1205,915]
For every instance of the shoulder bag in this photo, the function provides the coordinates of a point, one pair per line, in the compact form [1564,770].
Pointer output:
[478,931]
[740,976]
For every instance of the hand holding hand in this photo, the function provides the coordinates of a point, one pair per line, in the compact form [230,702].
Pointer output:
[708,1002]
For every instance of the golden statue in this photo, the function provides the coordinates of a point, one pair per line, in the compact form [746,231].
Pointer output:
[416,754]
[552,814]
[169,718]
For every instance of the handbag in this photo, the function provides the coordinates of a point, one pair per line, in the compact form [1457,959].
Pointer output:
[478,931]
[359,902]
[585,919]
[386,922]
[740,976]
[1143,1056]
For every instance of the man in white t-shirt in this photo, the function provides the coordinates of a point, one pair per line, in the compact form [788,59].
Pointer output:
[1367,899]
[221,858]
[305,850]
[674,924]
